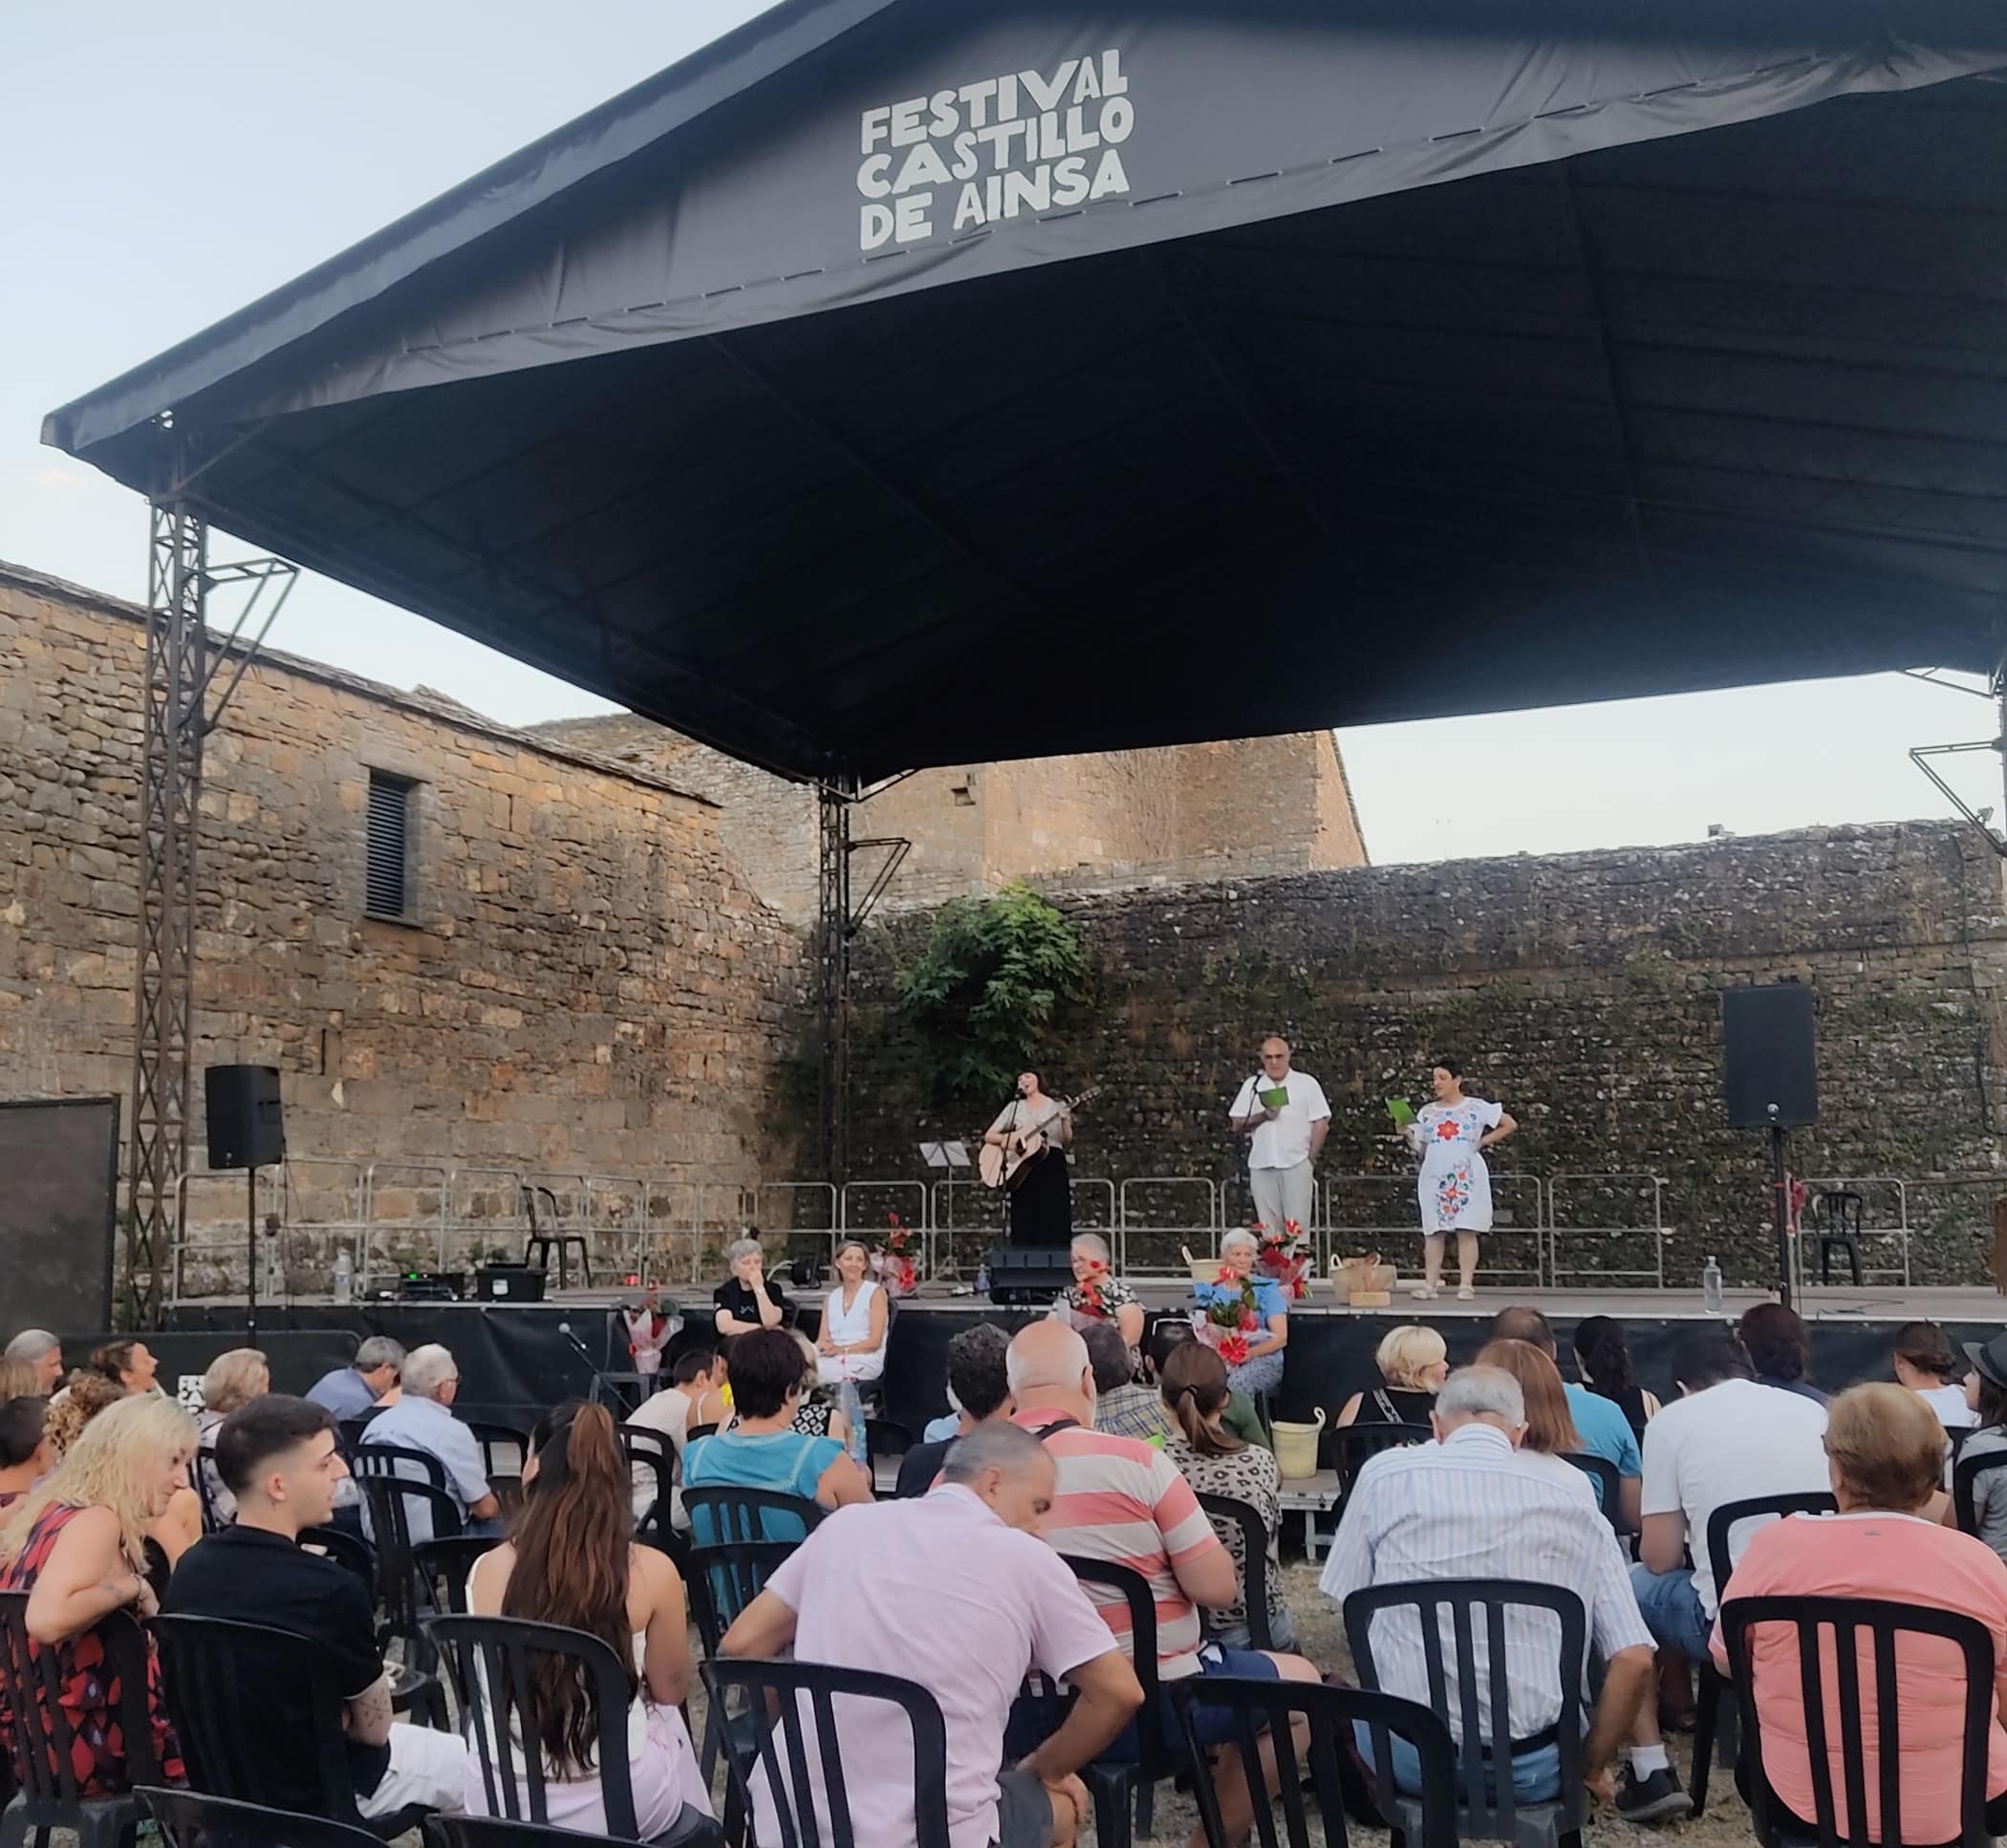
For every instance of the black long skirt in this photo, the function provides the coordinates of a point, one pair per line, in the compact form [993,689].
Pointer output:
[1041,1203]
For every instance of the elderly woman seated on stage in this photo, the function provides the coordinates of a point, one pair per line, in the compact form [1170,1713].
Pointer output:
[1261,1369]
[1099,1294]
[1414,1362]
[746,1300]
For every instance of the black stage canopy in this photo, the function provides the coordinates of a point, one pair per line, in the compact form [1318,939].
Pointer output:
[1256,367]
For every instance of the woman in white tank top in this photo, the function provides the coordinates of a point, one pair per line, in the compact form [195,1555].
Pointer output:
[852,1346]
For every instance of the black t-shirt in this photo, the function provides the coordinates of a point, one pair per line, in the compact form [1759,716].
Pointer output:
[919,1466]
[735,1297]
[253,1577]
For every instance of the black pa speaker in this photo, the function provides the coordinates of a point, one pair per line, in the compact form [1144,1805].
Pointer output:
[1767,1062]
[1029,1275]
[246,1129]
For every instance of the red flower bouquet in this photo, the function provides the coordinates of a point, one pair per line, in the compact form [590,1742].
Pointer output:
[1283,1259]
[1233,1349]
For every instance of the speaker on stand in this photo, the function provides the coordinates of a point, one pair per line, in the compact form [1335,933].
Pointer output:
[1770,1081]
[246,1130]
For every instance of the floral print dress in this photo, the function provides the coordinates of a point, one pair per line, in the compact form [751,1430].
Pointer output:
[1455,1187]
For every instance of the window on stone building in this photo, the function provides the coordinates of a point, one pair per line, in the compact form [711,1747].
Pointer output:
[387,880]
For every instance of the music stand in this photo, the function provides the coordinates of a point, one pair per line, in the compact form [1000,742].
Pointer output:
[949,1156]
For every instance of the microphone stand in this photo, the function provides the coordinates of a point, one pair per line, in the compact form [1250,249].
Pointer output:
[597,1391]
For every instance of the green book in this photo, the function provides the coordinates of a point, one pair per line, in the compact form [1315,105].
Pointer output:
[1402,1112]
[1276,1099]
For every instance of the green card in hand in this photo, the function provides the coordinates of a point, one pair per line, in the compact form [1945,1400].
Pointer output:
[1276,1099]
[1402,1112]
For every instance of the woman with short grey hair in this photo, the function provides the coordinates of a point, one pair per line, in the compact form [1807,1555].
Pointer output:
[1259,1367]
[1098,1293]
[746,1299]
[234,1377]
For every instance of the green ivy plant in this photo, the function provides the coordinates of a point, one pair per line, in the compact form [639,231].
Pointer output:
[983,994]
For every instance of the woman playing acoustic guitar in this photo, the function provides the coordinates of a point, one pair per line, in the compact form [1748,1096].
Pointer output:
[1042,1197]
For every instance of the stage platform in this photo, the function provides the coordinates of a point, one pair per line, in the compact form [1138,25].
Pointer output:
[515,1359]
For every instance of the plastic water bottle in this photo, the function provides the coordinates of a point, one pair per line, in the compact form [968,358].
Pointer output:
[982,1278]
[1711,1287]
[344,1276]
[853,1408]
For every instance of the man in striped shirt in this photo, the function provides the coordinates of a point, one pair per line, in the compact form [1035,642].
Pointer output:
[1118,1500]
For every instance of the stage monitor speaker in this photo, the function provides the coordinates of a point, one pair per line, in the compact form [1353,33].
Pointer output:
[1031,1274]
[246,1129]
[57,1210]
[1767,1061]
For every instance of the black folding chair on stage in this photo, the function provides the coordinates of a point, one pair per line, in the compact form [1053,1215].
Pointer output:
[41,1743]
[1867,1764]
[1715,1734]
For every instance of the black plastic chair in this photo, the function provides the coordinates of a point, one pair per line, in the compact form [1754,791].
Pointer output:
[650,1458]
[1713,1740]
[1267,1709]
[188,1819]
[724,1579]
[536,1254]
[495,1440]
[203,1664]
[696,1432]
[1481,1783]
[1603,1472]
[442,1568]
[792,1751]
[1964,1499]
[349,1551]
[1226,1512]
[884,1437]
[390,1500]
[351,1431]
[1839,1220]
[399,1461]
[494,1657]
[1848,1619]
[692,1830]
[1351,1445]
[725,1517]
[39,1739]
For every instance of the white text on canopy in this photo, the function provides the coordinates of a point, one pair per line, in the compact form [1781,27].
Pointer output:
[1020,143]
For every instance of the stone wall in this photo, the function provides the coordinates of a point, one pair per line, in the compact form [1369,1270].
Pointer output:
[1104,818]
[1584,991]
[587,983]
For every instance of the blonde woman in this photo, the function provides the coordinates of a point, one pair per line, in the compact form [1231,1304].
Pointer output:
[852,1346]
[1415,1364]
[234,1377]
[77,1545]
[88,1396]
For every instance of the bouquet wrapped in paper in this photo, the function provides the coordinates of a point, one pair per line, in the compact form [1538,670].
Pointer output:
[893,1267]
[1282,1260]
[1231,1322]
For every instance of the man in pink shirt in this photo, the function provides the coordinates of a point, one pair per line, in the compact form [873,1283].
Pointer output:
[985,1601]
[1885,1448]
[1122,1500]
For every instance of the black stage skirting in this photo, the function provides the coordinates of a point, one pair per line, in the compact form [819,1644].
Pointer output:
[515,1362]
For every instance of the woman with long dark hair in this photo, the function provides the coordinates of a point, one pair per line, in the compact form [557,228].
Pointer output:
[572,1561]
[1604,1363]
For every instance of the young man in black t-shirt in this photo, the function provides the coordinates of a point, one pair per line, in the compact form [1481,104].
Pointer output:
[277,1456]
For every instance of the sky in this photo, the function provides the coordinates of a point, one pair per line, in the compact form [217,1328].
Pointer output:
[300,129]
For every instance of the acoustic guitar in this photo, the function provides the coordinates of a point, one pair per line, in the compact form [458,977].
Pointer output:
[1003,1167]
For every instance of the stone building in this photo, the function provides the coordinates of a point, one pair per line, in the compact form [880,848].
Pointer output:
[1240,809]
[577,981]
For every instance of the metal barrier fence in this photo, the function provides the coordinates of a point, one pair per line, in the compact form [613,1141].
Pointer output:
[1568,1230]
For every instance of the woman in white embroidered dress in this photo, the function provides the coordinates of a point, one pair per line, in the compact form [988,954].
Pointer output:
[1455,1187]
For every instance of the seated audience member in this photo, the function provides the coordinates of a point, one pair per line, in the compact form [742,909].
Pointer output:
[1886,1452]
[423,1420]
[26,1453]
[234,1377]
[1241,1417]
[277,1457]
[76,1544]
[1414,1362]
[746,1301]
[763,1450]
[1215,1462]
[1469,1506]
[1924,1364]
[856,1315]
[1603,1361]
[1986,1393]
[572,1561]
[1098,1293]
[168,1534]
[358,1387]
[1122,1407]
[969,1557]
[1600,1427]
[1774,1340]
[1725,1439]
[693,1397]
[1262,1371]
[38,1349]
[978,1385]
[129,1364]
[1120,1500]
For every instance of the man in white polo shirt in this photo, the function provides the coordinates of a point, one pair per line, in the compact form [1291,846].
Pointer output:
[1285,1114]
